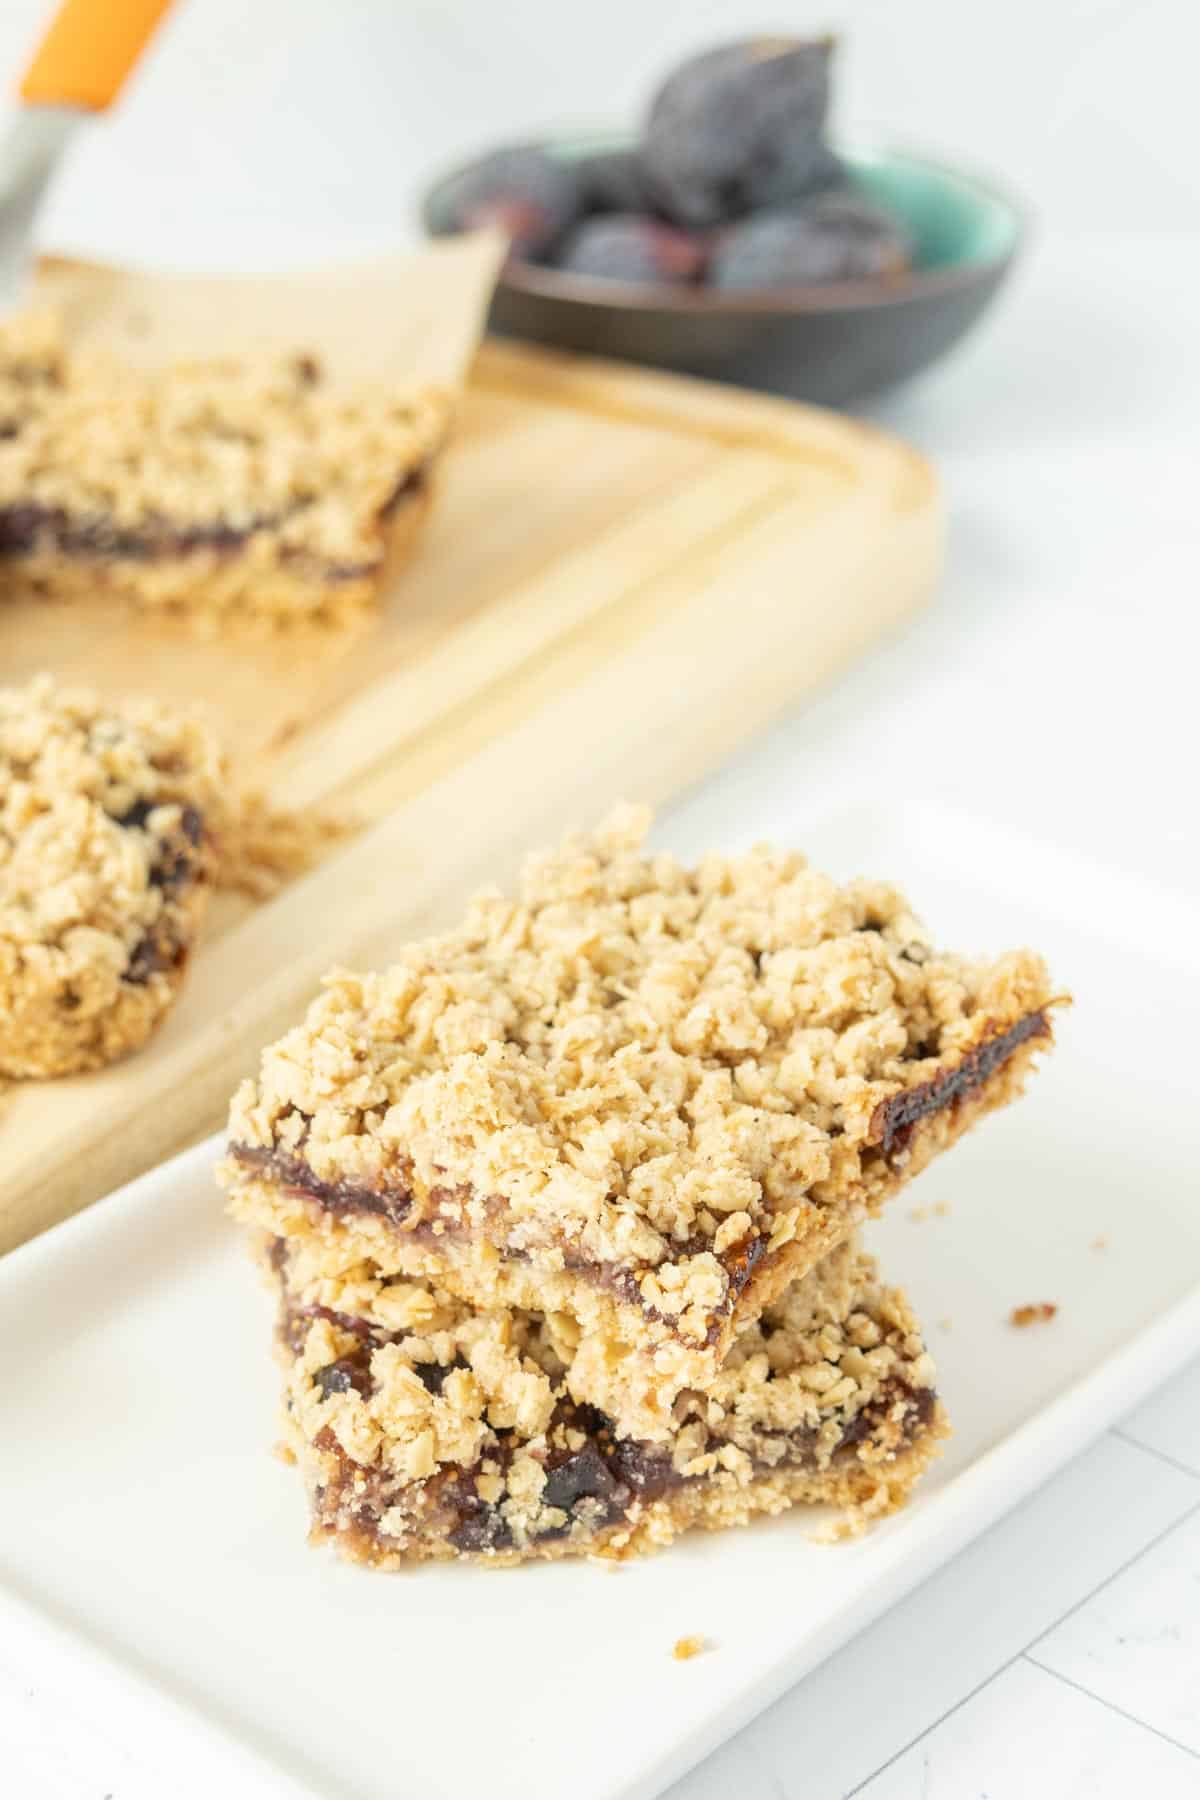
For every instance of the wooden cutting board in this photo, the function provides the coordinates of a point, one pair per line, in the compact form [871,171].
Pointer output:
[624,575]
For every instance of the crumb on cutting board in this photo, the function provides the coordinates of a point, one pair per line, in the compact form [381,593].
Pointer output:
[284,733]
[1039,1313]
[685,1648]
[266,846]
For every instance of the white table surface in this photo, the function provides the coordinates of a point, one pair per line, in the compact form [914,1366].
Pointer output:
[1053,685]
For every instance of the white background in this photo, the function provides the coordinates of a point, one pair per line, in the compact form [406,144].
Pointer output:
[1061,1655]
[301,124]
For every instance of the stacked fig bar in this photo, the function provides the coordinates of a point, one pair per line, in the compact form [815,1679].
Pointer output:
[561,1208]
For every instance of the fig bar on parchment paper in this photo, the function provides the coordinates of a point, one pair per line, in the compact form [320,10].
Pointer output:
[223,488]
[235,449]
[428,1429]
[645,1096]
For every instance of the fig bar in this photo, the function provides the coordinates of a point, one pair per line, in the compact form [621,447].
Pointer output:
[644,1095]
[428,1430]
[221,489]
[110,821]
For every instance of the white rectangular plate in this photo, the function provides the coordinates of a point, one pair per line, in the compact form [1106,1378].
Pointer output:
[152,1552]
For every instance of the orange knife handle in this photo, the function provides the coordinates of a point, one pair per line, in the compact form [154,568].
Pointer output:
[88,51]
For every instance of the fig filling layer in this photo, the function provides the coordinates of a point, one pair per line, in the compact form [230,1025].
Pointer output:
[394,1202]
[28,528]
[893,1120]
[161,950]
[596,1487]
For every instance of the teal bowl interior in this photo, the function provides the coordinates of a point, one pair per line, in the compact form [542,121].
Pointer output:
[956,220]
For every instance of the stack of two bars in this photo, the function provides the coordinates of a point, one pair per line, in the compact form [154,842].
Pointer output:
[561,1208]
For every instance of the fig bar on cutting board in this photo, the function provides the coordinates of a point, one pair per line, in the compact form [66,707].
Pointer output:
[111,819]
[117,819]
[645,1096]
[428,1429]
[223,490]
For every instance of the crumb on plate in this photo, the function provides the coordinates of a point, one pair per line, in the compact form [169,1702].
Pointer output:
[1039,1313]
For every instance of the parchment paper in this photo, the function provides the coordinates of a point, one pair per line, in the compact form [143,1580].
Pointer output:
[412,318]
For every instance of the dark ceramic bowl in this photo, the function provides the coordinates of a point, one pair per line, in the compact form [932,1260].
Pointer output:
[831,344]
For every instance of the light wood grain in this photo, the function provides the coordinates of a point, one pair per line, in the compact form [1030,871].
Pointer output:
[625,575]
